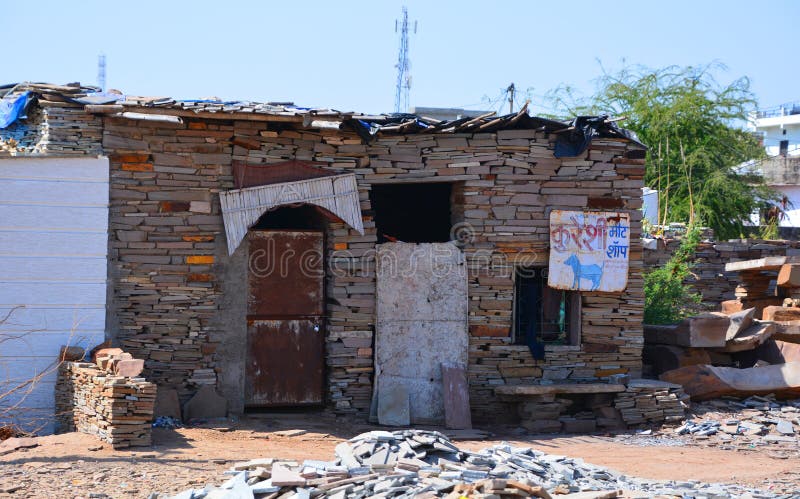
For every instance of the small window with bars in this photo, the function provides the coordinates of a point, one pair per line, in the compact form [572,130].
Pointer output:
[543,315]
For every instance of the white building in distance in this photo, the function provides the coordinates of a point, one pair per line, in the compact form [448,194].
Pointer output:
[780,129]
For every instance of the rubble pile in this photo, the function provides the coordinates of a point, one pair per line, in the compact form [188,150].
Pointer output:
[754,421]
[652,401]
[117,409]
[415,463]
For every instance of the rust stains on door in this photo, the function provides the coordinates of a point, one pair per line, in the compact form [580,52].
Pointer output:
[285,338]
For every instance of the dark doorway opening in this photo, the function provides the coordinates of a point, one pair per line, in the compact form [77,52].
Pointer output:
[412,213]
[294,217]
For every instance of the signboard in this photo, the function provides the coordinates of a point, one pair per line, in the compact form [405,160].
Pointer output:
[589,250]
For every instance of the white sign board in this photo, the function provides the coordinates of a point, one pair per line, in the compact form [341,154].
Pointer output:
[589,250]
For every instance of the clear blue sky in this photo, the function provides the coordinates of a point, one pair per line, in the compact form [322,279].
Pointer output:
[343,54]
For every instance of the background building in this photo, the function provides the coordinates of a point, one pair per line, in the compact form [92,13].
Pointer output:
[780,130]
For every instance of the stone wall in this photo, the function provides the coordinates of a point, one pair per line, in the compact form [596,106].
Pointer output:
[175,295]
[168,260]
[164,227]
[53,128]
[708,265]
[116,409]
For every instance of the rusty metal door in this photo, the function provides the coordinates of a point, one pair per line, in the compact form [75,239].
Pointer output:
[285,339]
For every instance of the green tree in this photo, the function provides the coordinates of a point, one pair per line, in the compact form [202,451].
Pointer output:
[692,126]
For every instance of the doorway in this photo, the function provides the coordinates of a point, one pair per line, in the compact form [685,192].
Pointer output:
[285,307]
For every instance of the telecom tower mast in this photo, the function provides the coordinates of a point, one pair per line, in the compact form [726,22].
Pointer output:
[403,89]
[101,72]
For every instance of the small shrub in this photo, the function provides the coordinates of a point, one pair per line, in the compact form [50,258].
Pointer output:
[666,298]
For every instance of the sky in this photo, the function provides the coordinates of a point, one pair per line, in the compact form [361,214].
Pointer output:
[343,54]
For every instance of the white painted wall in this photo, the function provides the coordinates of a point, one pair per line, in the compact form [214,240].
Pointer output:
[53,247]
[780,128]
[650,205]
[792,213]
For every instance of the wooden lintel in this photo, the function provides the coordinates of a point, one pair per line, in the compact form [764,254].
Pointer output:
[421,180]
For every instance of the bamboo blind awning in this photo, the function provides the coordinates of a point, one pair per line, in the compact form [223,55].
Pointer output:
[241,208]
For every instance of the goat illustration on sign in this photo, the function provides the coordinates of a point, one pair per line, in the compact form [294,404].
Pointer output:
[593,273]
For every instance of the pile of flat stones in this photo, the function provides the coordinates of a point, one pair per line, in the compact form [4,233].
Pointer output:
[415,463]
[755,420]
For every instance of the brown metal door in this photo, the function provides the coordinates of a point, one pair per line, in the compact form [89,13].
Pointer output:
[285,339]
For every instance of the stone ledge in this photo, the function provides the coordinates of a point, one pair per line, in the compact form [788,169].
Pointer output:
[566,388]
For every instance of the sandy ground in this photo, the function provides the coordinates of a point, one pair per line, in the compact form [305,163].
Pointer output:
[78,466]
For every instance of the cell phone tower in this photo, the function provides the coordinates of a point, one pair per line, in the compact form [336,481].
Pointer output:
[403,89]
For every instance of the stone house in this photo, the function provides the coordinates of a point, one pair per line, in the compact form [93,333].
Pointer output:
[295,257]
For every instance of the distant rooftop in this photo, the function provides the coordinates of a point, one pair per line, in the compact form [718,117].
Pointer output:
[785,109]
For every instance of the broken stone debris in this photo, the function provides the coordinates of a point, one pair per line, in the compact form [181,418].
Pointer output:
[167,422]
[755,420]
[416,463]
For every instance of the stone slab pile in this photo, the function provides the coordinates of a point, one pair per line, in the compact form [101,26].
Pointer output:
[118,362]
[765,333]
[763,283]
[708,276]
[650,401]
[414,463]
[116,409]
[753,422]
[56,128]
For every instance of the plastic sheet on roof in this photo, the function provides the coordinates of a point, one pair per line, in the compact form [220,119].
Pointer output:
[12,108]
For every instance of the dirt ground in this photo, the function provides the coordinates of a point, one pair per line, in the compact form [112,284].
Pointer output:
[79,466]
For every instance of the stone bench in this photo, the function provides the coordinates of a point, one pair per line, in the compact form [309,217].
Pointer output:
[542,410]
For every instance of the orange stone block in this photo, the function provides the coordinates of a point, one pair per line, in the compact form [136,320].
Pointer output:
[137,167]
[199,259]
[130,158]
[789,276]
[200,277]
[483,330]
[340,246]
[173,206]
[608,372]
[247,143]
[197,125]
[197,239]
[777,313]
